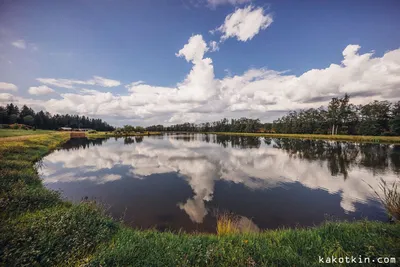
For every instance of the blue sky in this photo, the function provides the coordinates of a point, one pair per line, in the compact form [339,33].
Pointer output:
[130,41]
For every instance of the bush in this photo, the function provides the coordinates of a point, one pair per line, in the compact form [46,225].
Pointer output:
[92,131]
[14,126]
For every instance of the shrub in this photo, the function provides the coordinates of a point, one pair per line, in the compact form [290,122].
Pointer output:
[92,131]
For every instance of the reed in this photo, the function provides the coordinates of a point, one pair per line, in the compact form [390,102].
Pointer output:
[389,197]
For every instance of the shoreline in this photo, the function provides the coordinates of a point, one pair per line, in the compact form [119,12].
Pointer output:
[111,134]
[350,138]
[41,227]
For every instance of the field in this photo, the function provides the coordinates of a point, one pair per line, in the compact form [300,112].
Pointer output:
[39,228]
[352,138]
[21,132]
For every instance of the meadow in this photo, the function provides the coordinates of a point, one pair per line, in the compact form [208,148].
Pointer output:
[39,227]
[21,132]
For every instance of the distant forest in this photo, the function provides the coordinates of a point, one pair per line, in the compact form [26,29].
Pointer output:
[340,117]
[11,114]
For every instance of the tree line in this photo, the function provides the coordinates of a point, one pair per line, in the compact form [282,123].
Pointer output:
[242,125]
[11,114]
[343,117]
[339,117]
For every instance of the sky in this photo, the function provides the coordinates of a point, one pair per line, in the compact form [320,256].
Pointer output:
[171,61]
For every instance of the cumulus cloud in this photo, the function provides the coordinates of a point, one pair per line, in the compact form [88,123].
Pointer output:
[194,50]
[6,98]
[40,90]
[71,84]
[257,93]
[8,86]
[244,23]
[21,44]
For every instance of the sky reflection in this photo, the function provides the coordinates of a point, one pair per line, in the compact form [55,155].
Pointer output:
[338,168]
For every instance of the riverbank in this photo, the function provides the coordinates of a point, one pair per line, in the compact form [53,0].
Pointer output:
[351,138]
[113,134]
[39,227]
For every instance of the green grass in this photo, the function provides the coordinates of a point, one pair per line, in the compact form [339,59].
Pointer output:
[352,138]
[290,247]
[39,228]
[21,132]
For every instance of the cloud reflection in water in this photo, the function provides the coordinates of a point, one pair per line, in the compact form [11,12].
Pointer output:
[337,167]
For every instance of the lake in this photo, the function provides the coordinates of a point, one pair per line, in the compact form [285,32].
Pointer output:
[181,181]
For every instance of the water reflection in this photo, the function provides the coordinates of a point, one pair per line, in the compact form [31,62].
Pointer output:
[276,182]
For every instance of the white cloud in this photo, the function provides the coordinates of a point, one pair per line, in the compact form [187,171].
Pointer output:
[21,44]
[100,81]
[194,50]
[8,86]
[40,90]
[6,98]
[214,3]
[70,84]
[213,46]
[257,93]
[244,23]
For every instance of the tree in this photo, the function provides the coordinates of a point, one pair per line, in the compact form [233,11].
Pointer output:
[395,121]
[13,118]
[333,114]
[29,120]
[44,120]
[3,116]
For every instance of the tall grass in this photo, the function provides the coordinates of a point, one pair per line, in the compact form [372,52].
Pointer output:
[229,223]
[389,197]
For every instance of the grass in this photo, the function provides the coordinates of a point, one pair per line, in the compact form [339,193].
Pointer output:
[39,228]
[21,132]
[227,224]
[352,138]
[389,197]
[285,247]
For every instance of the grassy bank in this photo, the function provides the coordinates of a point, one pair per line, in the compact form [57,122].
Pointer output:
[352,138]
[113,134]
[21,132]
[38,227]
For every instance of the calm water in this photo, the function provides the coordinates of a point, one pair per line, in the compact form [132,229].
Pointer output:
[180,181]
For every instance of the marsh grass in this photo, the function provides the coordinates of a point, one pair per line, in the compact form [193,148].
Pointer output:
[227,224]
[389,197]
